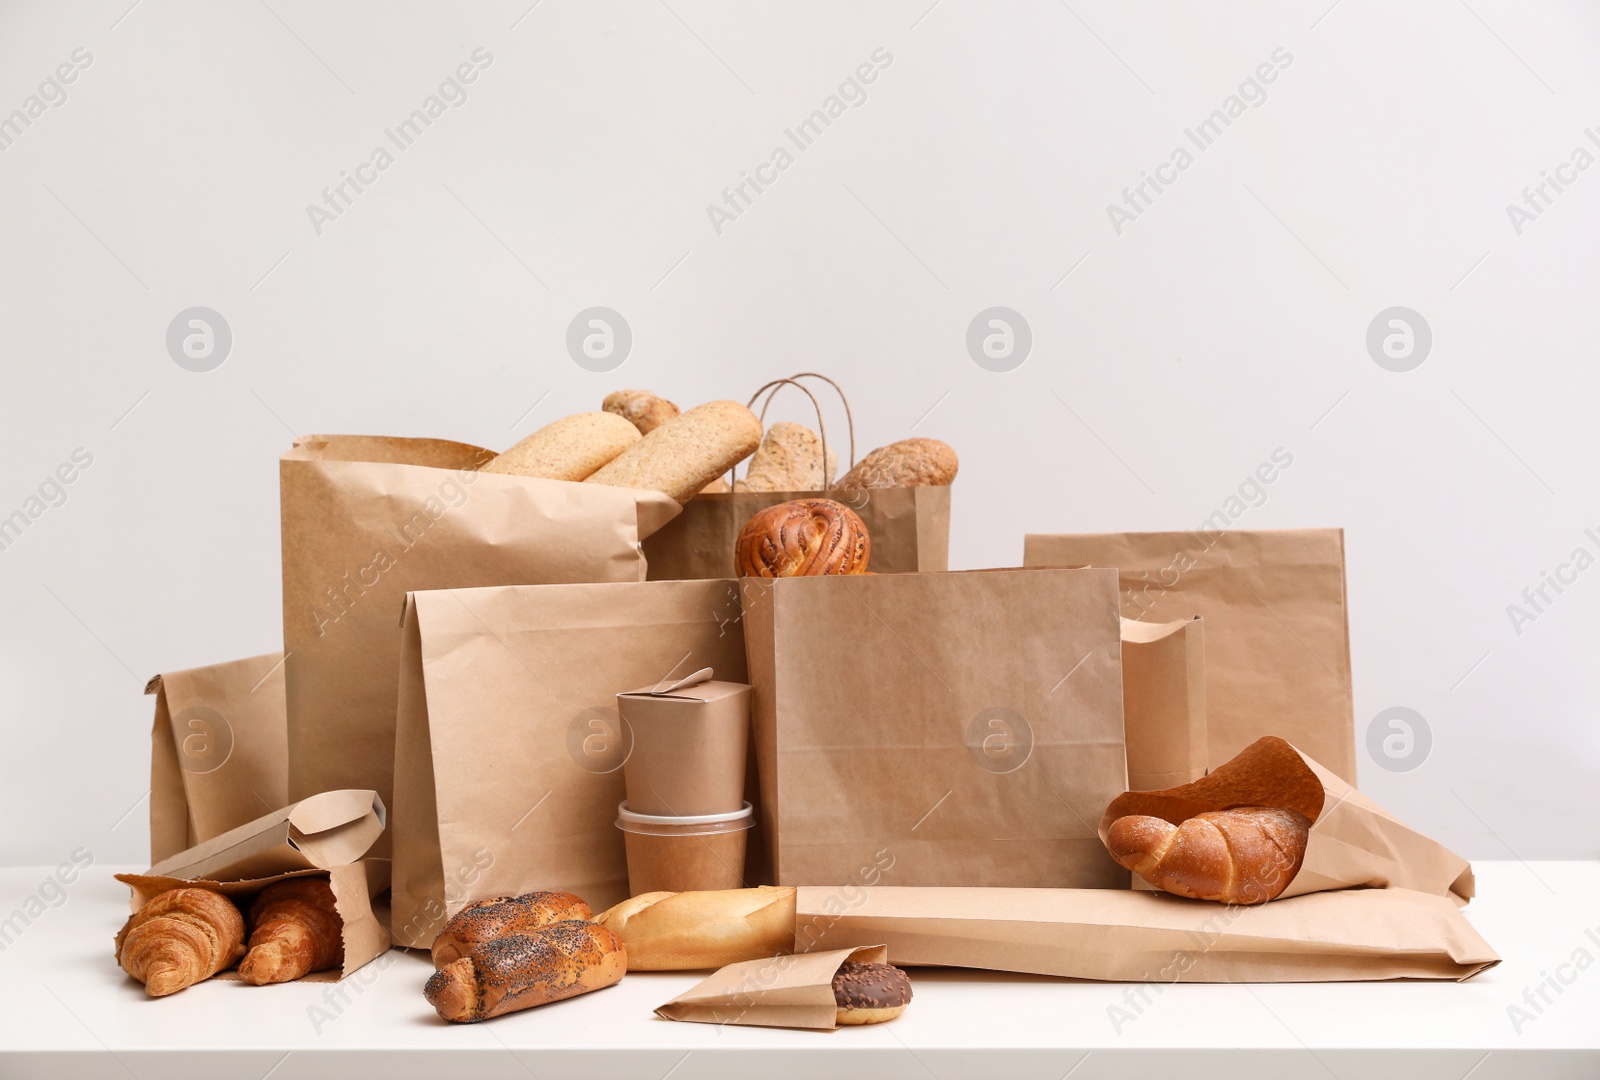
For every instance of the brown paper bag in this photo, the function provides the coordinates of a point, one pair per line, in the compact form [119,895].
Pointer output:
[356,887]
[1164,702]
[1277,627]
[910,530]
[940,729]
[326,830]
[780,991]
[219,752]
[1353,840]
[1125,936]
[508,760]
[366,520]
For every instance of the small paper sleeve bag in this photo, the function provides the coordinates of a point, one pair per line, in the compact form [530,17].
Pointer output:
[1164,702]
[1353,842]
[219,752]
[325,834]
[779,991]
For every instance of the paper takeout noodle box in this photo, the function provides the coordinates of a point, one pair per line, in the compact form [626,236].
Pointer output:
[509,748]
[910,530]
[938,729]
[1277,625]
[218,750]
[690,743]
[1353,841]
[324,834]
[366,520]
[778,991]
[1121,935]
[1164,702]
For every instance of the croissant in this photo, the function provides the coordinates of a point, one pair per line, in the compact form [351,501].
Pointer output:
[803,538]
[181,937]
[1246,855]
[295,929]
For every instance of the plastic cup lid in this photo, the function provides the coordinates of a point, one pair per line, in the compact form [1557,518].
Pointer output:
[624,814]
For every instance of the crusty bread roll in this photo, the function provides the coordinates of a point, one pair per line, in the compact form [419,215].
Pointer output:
[868,993]
[666,931]
[803,538]
[485,920]
[572,448]
[520,971]
[789,459]
[1247,855]
[907,463]
[686,453]
[640,408]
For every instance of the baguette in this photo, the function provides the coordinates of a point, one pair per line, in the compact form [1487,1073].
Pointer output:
[686,453]
[665,931]
[572,448]
[485,920]
[521,971]
[1247,855]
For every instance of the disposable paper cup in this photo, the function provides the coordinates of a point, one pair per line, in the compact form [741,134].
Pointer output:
[688,754]
[685,853]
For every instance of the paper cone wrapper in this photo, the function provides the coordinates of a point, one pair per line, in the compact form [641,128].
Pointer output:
[779,991]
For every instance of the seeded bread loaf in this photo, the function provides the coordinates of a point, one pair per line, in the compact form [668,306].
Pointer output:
[686,453]
[789,459]
[570,449]
[640,408]
[907,463]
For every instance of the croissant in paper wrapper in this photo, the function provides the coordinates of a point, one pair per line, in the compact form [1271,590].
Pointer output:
[803,538]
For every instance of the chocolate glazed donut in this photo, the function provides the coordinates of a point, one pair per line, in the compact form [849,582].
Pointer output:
[803,538]
[869,993]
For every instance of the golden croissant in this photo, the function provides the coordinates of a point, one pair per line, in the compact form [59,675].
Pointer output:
[181,937]
[1247,855]
[803,538]
[295,929]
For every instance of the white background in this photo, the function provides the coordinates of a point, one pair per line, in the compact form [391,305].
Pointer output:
[1227,321]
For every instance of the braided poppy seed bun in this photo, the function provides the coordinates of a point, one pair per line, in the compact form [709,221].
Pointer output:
[803,538]
[483,921]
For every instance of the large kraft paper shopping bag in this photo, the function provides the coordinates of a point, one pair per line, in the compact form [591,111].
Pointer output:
[219,753]
[509,753]
[1277,625]
[910,530]
[938,729]
[366,520]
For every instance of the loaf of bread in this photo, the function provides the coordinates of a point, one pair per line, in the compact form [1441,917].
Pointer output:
[572,448]
[802,538]
[483,921]
[665,931]
[907,463]
[719,486]
[520,971]
[868,993]
[789,458]
[640,408]
[179,938]
[295,929]
[1246,855]
[687,452]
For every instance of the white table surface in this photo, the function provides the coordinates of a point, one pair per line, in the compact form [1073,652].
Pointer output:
[66,1010]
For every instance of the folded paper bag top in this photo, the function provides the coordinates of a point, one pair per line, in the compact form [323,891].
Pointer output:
[331,829]
[777,991]
[1353,841]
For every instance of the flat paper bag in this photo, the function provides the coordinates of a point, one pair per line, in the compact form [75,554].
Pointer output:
[219,754]
[1164,702]
[324,831]
[1125,936]
[1353,841]
[508,760]
[910,530]
[938,729]
[778,991]
[355,886]
[366,520]
[1277,625]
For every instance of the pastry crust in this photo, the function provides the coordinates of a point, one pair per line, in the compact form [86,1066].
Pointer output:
[179,938]
[1245,855]
[803,538]
[295,929]
[907,463]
